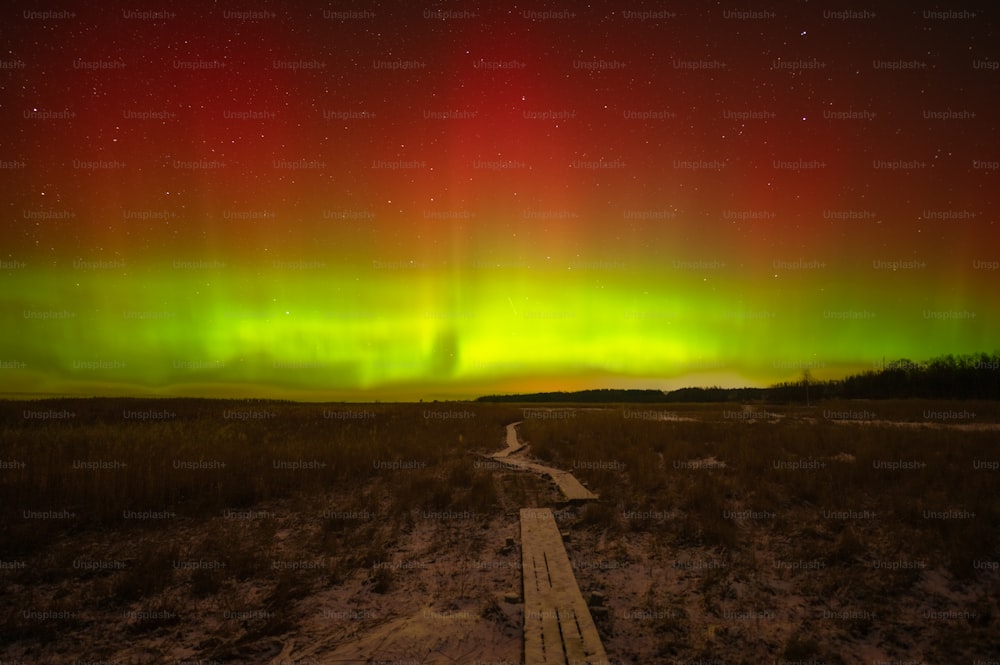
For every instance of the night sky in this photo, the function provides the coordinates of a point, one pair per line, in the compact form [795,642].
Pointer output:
[406,200]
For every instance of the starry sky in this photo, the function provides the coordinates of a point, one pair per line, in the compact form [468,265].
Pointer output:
[382,201]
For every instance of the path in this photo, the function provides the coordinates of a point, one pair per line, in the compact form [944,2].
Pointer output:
[513,443]
[570,487]
[558,627]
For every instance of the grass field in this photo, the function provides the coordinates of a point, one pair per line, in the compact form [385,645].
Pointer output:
[165,531]
[790,532]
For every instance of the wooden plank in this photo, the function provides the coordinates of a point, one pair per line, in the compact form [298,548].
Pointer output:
[513,443]
[567,483]
[570,487]
[558,628]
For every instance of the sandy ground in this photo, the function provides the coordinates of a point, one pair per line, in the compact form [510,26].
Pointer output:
[453,596]
[443,607]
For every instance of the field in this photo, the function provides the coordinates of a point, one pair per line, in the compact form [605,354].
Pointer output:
[182,531]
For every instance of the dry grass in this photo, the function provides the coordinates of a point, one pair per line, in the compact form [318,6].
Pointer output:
[669,492]
[682,489]
[361,483]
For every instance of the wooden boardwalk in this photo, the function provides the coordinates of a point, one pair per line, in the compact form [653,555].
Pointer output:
[570,487]
[513,443]
[558,628]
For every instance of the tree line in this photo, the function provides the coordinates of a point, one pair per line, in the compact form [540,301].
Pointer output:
[971,376]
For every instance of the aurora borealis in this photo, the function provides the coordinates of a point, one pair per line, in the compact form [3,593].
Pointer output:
[372,201]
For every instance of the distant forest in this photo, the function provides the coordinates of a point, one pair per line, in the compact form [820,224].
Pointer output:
[974,376]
